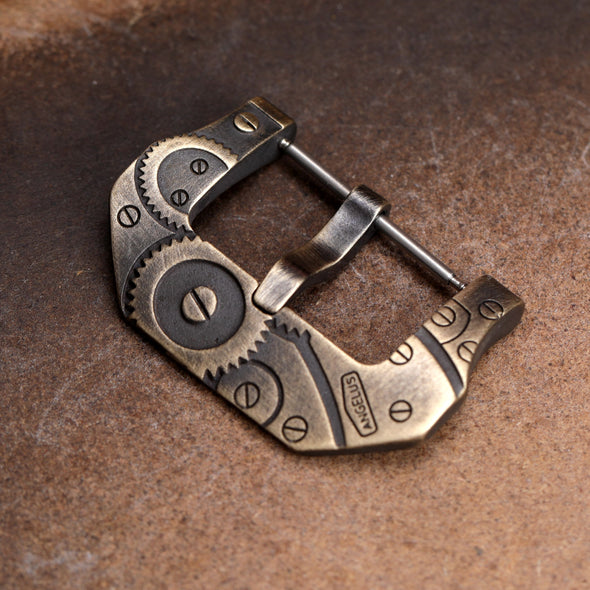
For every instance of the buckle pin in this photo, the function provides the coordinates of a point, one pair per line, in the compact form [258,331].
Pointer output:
[384,225]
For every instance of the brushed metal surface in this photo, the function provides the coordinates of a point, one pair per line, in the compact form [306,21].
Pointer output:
[326,253]
[263,358]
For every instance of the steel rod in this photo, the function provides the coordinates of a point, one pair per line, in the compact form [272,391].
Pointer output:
[383,223]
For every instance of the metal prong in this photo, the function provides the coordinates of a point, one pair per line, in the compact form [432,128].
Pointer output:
[383,224]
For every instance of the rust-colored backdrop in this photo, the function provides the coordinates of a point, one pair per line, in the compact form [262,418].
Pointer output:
[117,469]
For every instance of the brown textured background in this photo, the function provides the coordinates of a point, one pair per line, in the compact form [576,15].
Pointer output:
[117,469]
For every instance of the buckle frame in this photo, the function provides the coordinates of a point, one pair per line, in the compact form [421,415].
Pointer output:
[240,338]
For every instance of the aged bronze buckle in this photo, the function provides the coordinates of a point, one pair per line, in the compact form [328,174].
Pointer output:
[240,338]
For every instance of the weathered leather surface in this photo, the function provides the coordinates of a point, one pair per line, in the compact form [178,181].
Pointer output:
[119,470]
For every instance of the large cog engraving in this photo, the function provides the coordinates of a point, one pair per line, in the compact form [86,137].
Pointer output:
[194,301]
[175,172]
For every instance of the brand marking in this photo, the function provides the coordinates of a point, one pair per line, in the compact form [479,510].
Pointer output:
[357,405]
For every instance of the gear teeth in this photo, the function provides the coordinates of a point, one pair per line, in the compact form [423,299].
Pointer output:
[144,260]
[211,380]
[141,182]
[134,273]
[209,365]
[258,344]
[147,169]
[282,330]
[201,134]
[228,366]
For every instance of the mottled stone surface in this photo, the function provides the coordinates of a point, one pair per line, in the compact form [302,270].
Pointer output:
[117,469]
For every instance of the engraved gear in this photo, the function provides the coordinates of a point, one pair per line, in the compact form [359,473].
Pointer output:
[198,304]
[172,174]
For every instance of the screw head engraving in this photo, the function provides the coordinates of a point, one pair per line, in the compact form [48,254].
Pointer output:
[246,122]
[199,304]
[218,298]
[247,395]
[400,411]
[466,350]
[179,197]
[128,216]
[199,166]
[402,355]
[295,429]
[444,317]
[491,310]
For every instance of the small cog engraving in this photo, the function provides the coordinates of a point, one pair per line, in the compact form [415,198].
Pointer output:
[174,173]
[185,174]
